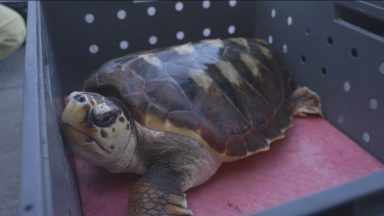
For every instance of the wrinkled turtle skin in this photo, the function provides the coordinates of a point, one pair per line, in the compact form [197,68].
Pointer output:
[176,114]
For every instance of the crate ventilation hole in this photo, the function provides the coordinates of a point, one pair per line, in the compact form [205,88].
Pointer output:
[206,32]
[206,4]
[232,3]
[381,68]
[179,6]
[93,48]
[121,14]
[124,44]
[89,18]
[180,35]
[231,29]
[152,40]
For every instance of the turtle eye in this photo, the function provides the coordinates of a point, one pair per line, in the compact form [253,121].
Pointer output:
[79,98]
[104,119]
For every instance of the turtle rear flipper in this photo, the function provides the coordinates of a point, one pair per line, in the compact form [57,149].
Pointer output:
[306,102]
[159,192]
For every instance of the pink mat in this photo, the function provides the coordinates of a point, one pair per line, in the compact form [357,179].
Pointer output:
[314,156]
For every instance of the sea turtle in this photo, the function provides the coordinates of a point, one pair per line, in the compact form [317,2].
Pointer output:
[176,114]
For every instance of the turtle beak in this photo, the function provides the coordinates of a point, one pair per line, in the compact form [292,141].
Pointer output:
[75,110]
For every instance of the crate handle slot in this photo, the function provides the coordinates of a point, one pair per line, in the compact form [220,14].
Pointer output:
[359,19]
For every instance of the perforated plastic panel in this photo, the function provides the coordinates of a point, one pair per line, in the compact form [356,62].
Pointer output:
[338,50]
[98,31]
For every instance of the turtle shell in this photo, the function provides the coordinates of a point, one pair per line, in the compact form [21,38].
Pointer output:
[231,95]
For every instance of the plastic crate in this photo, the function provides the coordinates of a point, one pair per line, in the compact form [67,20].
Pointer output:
[336,48]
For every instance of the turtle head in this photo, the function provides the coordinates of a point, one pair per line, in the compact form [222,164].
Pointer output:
[97,129]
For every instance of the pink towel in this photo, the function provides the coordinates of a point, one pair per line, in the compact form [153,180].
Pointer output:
[313,156]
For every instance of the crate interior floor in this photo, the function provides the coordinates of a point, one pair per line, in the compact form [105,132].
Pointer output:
[313,156]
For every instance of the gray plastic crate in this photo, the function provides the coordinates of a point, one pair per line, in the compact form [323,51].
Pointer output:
[336,48]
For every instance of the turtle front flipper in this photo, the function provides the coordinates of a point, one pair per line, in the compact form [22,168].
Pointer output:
[158,192]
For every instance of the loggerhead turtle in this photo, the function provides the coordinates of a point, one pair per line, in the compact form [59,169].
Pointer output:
[175,115]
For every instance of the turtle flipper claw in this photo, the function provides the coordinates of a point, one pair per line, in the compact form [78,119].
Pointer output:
[177,205]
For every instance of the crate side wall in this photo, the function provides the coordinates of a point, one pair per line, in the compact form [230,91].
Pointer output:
[342,62]
[65,194]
